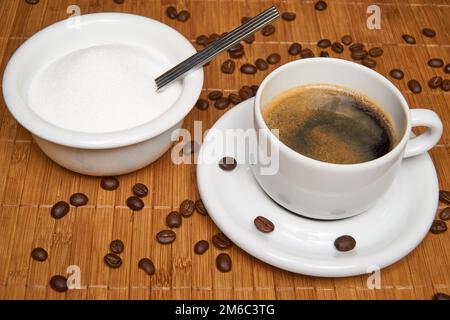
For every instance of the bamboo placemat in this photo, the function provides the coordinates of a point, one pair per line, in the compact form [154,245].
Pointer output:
[30,183]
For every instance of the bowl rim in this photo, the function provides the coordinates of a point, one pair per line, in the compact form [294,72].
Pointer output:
[191,88]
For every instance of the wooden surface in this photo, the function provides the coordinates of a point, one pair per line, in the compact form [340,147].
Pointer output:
[30,183]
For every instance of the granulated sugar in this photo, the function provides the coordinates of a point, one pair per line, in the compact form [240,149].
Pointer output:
[102,88]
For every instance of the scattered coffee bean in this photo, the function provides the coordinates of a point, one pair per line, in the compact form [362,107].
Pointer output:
[116,246]
[119,1]
[201,247]
[359,54]
[447,68]
[396,74]
[409,39]
[227,163]
[228,66]
[236,47]
[59,283]
[250,39]
[263,224]
[345,243]
[32,1]
[435,82]
[183,16]
[213,37]
[375,52]
[347,39]
[445,214]
[223,262]
[324,43]
[78,199]
[324,54]
[337,47]
[215,95]
[245,92]
[187,208]
[268,30]
[171,12]
[435,63]
[414,86]
[109,183]
[248,68]
[294,49]
[320,5]
[288,16]
[147,265]
[369,62]
[221,241]
[261,64]
[202,104]
[59,209]
[441,296]
[173,219]
[306,53]
[39,254]
[273,58]
[428,32]
[200,207]
[438,226]
[222,103]
[236,54]
[202,40]
[166,236]
[254,89]
[234,98]
[444,196]
[112,260]
[140,190]
[135,203]
[356,46]
[245,19]
[445,85]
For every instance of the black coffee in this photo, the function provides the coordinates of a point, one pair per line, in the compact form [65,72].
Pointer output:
[330,124]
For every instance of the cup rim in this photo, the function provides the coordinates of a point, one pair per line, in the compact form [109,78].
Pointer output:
[191,89]
[397,150]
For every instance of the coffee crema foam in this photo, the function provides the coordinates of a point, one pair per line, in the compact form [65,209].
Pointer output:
[330,124]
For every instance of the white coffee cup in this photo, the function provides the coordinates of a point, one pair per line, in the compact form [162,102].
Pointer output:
[323,190]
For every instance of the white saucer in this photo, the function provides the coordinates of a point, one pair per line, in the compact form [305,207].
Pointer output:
[384,234]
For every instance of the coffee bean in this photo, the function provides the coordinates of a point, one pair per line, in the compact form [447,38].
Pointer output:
[201,247]
[369,62]
[254,89]
[306,53]
[288,16]
[221,241]
[227,163]
[228,66]
[347,39]
[173,219]
[119,1]
[166,236]
[201,40]
[215,95]
[337,47]
[32,1]
[171,12]
[441,296]
[78,199]
[294,49]
[112,260]
[438,226]
[202,104]
[375,52]
[248,68]
[59,209]
[187,208]
[236,47]
[447,68]
[273,58]
[245,92]
[356,46]
[116,246]
[263,224]
[234,98]
[268,30]
[359,54]
[435,82]
[435,63]
[147,265]
[213,37]
[59,283]
[409,39]
[324,43]
[223,262]
[109,183]
[445,214]
[428,32]
[414,86]
[236,54]
[396,74]
[445,85]
[183,16]
[250,39]
[135,203]
[345,243]
[245,19]
[320,5]
[324,54]
[140,190]
[261,64]
[444,196]
[39,254]
[222,103]
[200,207]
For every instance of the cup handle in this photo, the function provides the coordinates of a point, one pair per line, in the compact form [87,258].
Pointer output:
[427,140]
